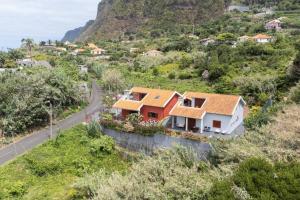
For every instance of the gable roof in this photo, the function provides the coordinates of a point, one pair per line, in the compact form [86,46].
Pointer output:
[214,103]
[154,97]
[262,36]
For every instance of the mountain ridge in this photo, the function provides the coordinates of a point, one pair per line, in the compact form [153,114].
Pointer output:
[118,17]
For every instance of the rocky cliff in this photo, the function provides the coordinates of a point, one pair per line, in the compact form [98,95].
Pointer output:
[116,17]
[74,34]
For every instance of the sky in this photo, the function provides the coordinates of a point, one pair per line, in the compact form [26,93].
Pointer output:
[41,19]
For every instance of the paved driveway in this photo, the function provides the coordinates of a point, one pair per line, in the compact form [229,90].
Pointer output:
[27,143]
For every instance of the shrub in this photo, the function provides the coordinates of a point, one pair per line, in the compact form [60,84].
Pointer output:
[102,146]
[185,62]
[155,72]
[295,94]
[172,75]
[45,166]
[168,174]
[184,75]
[94,129]
[16,189]
[258,179]
[257,118]
[179,45]
[134,118]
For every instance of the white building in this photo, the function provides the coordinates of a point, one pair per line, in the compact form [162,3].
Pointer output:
[202,112]
[262,38]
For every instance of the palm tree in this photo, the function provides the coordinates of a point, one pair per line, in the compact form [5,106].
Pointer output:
[28,43]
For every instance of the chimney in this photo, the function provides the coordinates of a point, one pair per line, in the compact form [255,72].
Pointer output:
[181,101]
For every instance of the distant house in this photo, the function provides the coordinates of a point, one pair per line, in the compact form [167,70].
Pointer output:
[262,38]
[61,49]
[83,69]
[207,41]
[78,51]
[239,8]
[152,104]
[92,46]
[244,38]
[71,46]
[153,53]
[2,70]
[273,25]
[202,112]
[67,43]
[134,50]
[97,51]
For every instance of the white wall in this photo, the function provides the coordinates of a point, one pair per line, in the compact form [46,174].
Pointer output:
[180,120]
[228,123]
[209,118]
[237,118]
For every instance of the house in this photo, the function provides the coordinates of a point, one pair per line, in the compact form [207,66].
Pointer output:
[207,41]
[153,53]
[239,8]
[61,49]
[273,25]
[244,38]
[262,38]
[134,50]
[202,112]
[78,51]
[92,46]
[152,104]
[83,69]
[97,51]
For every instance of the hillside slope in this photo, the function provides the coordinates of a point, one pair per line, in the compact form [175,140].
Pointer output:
[116,17]
[72,35]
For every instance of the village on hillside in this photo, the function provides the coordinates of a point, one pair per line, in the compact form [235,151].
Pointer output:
[156,100]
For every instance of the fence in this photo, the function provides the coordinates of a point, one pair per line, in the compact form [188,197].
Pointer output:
[148,144]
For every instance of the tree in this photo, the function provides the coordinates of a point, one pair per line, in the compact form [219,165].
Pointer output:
[112,80]
[28,43]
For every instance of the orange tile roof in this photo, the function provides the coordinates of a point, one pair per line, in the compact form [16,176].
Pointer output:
[128,105]
[262,36]
[92,46]
[154,97]
[214,103]
[195,113]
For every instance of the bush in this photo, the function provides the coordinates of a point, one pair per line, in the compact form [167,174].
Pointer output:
[44,167]
[94,129]
[102,146]
[155,72]
[258,179]
[184,75]
[257,118]
[179,45]
[172,75]
[295,94]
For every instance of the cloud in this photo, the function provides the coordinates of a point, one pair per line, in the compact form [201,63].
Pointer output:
[42,19]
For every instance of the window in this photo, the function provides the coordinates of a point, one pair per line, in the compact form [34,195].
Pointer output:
[217,124]
[152,115]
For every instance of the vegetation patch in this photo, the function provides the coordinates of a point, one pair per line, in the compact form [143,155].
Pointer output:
[48,171]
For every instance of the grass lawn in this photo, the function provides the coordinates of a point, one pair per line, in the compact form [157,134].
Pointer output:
[48,171]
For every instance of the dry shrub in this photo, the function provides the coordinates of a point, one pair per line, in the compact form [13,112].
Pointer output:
[276,141]
[171,174]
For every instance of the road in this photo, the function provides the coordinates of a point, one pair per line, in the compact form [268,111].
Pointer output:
[27,143]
